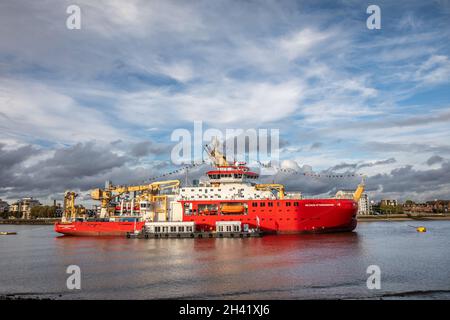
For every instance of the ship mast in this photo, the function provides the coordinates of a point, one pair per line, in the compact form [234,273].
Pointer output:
[217,157]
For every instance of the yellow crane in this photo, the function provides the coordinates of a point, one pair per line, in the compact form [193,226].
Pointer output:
[359,190]
[150,191]
[70,209]
[216,156]
[272,186]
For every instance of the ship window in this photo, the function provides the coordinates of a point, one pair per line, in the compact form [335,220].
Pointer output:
[173,229]
[254,204]
[270,204]
[157,229]
[262,204]
[288,204]
[189,229]
[219,189]
[296,204]
[180,229]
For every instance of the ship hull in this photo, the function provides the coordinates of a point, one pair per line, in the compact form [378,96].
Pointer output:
[88,228]
[301,216]
[307,216]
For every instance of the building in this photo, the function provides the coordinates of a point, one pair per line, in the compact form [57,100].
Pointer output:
[23,207]
[4,206]
[438,206]
[364,207]
[389,202]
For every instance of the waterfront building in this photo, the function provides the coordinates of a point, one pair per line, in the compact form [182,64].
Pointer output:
[389,202]
[364,205]
[437,206]
[4,206]
[23,207]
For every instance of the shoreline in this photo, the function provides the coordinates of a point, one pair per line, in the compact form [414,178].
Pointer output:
[404,217]
[49,221]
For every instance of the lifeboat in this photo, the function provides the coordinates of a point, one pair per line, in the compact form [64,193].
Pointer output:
[232,209]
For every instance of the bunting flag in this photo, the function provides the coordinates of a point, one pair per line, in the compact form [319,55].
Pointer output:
[193,165]
[278,170]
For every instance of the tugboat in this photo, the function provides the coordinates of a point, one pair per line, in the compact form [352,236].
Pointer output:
[230,193]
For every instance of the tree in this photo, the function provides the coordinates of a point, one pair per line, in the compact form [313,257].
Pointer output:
[43,212]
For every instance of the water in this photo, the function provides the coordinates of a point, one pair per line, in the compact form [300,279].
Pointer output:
[330,266]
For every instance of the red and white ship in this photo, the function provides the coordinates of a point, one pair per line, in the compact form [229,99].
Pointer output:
[230,193]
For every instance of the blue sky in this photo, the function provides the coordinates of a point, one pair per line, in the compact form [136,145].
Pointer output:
[340,94]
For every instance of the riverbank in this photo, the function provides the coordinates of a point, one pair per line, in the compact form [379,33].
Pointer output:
[29,221]
[403,217]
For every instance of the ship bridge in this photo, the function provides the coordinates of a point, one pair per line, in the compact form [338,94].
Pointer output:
[237,173]
[228,182]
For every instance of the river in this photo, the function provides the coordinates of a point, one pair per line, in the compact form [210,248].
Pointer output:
[34,262]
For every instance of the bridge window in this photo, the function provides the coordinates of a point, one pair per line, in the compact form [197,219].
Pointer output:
[262,204]
[254,204]
[288,204]
[296,204]
[270,204]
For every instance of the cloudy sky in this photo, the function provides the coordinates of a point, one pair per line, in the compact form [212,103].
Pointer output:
[78,107]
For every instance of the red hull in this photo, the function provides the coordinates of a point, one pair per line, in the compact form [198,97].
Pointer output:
[301,216]
[88,228]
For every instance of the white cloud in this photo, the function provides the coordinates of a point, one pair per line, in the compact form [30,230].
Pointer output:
[434,70]
[301,42]
[34,111]
[229,102]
